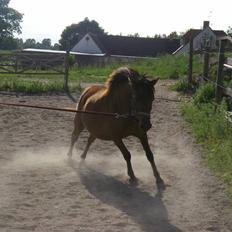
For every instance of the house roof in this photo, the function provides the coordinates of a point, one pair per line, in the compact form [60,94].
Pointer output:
[194,32]
[134,46]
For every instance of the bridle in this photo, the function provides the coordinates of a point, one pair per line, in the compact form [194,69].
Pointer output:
[133,109]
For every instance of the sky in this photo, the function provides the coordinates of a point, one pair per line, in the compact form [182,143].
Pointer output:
[48,18]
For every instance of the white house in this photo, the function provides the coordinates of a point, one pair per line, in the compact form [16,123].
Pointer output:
[202,38]
[87,45]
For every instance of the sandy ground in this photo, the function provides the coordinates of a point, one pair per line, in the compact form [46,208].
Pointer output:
[40,190]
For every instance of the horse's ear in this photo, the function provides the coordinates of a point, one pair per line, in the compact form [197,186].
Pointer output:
[154,81]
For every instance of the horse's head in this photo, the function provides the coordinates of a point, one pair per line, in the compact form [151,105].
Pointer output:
[142,98]
[142,93]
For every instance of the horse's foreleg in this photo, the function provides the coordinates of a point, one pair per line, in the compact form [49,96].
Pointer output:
[127,157]
[90,141]
[75,134]
[150,157]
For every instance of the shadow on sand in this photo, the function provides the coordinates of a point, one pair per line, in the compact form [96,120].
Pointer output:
[147,211]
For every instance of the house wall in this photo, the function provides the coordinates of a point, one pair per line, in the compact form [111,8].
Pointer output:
[87,45]
[206,37]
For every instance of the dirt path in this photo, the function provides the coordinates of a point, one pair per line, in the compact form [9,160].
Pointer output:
[41,191]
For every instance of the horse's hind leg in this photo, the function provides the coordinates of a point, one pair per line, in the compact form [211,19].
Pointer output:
[78,127]
[90,141]
[127,157]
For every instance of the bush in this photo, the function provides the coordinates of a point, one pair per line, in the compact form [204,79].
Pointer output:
[174,75]
[204,94]
[181,86]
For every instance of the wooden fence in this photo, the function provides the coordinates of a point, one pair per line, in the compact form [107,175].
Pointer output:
[35,63]
[223,63]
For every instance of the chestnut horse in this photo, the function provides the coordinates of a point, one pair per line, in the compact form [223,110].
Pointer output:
[128,94]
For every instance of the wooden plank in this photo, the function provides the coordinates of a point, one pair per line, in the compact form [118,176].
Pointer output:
[190,65]
[66,71]
[31,73]
[221,60]
[228,66]
[206,65]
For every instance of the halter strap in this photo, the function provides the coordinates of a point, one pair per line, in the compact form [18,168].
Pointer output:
[132,109]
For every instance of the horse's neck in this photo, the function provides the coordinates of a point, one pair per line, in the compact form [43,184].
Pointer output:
[120,99]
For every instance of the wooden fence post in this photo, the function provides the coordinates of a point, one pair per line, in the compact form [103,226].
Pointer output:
[16,63]
[66,70]
[206,65]
[221,60]
[190,66]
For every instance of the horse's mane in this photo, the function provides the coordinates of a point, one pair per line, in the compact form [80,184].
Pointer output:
[120,76]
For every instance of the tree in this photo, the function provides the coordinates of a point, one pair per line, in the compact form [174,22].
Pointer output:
[157,36]
[30,43]
[19,43]
[173,35]
[10,20]
[136,35]
[72,33]
[56,46]
[46,44]
[8,43]
[229,31]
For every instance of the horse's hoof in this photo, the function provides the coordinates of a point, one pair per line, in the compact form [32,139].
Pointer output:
[133,181]
[160,184]
[83,157]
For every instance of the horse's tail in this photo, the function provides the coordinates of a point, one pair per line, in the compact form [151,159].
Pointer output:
[83,99]
[78,125]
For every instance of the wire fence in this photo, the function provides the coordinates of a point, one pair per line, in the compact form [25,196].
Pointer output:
[222,62]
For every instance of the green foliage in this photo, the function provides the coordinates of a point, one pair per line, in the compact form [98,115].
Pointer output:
[152,67]
[166,66]
[36,84]
[10,20]
[8,43]
[229,31]
[204,94]
[174,35]
[214,131]
[29,43]
[30,86]
[181,86]
[72,33]
[45,44]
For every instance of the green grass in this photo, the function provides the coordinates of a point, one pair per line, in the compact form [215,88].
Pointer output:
[167,66]
[214,132]
[180,86]
[35,85]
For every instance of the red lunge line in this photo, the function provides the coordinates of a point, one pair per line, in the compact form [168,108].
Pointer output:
[60,109]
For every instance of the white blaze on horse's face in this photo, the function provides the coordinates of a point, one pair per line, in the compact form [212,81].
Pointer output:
[144,94]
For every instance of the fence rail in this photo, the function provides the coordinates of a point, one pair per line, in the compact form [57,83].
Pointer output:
[222,63]
[36,63]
